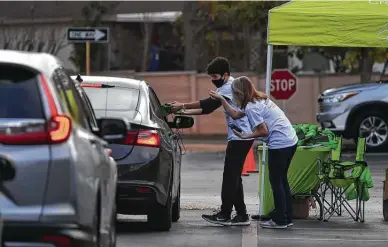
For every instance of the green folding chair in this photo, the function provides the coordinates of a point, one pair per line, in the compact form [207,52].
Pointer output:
[323,169]
[342,179]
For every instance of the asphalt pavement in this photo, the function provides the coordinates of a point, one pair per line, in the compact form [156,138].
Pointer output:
[201,184]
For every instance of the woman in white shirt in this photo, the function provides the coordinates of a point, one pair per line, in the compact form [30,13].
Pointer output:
[269,123]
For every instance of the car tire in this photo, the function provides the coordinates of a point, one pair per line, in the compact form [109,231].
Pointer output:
[370,118]
[160,216]
[112,234]
[96,228]
[176,208]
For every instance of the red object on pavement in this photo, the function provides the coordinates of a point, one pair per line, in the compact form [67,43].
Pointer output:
[250,164]
[283,84]
[244,171]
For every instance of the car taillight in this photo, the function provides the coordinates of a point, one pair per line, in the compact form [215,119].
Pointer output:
[59,126]
[58,241]
[148,138]
[56,130]
[59,129]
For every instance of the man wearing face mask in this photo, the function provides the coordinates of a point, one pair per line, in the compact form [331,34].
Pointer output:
[232,193]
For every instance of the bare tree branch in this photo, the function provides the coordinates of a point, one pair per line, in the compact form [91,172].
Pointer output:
[37,39]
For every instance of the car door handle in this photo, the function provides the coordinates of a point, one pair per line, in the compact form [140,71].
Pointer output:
[93,142]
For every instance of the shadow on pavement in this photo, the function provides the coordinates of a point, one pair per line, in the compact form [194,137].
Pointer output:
[132,226]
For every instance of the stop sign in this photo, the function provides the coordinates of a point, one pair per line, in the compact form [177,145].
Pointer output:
[283,84]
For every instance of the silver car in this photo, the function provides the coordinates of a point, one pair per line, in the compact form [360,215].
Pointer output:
[62,192]
[357,110]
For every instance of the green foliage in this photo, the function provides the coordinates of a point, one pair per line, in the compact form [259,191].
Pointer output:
[346,59]
[245,13]
[353,57]
[92,15]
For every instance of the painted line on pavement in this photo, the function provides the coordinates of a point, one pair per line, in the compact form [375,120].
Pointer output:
[249,235]
[323,239]
[327,229]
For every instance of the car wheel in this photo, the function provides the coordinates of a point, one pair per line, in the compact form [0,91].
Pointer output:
[373,126]
[160,216]
[112,234]
[176,208]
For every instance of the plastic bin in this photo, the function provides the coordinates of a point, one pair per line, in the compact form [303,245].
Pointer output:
[302,175]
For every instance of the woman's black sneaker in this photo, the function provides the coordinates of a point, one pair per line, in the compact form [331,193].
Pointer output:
[241,220]
[218,218]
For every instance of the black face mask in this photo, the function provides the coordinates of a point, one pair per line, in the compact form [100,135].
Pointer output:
[218,83]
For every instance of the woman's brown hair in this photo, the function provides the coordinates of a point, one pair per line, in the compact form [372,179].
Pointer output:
[244,92]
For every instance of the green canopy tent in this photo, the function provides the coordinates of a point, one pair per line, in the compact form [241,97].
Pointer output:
[346,23]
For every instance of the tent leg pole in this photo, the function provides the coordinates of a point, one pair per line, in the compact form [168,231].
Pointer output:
[267,91]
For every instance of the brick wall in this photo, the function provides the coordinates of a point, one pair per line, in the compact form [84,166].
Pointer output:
[190,86]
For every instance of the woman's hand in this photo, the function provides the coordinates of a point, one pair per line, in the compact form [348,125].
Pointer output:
[215,95]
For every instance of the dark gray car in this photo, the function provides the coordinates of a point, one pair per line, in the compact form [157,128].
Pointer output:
[149,160]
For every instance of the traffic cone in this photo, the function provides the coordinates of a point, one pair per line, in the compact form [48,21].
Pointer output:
[250,164]
[244,171]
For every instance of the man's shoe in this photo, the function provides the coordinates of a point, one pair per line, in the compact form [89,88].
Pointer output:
[272,225]
[218,218]
[290,224]
[241,220]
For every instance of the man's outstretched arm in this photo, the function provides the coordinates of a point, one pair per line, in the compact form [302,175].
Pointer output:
[207,105]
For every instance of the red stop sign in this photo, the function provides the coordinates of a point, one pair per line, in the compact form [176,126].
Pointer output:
[283,84]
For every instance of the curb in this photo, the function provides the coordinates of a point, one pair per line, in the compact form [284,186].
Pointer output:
[205,147]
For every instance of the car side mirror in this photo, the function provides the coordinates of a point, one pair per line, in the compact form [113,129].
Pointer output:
[113,131]
[7,169]
[182,122]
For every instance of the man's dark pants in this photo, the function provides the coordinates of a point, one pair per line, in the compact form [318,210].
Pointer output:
[232,193]
[279,161]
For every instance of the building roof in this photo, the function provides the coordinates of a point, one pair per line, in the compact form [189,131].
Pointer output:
[22,12]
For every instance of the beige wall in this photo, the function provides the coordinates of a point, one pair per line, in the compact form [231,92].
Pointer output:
[189,86]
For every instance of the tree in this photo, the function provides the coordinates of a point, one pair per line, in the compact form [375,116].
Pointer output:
[92,16]
[361,60]
[38,39]
[210,22]
[33,37]
[251,19]
[147,31]
[351,60]
[194,20]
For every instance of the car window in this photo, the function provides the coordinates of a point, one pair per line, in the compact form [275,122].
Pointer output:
[155,104]
[122,99]
[73,99]
[97,97]
[89,111]
[19,93]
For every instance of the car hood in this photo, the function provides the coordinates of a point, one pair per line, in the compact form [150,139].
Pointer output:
[351,88]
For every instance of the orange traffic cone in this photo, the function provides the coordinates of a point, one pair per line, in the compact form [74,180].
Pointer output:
[244,171]
[250,164]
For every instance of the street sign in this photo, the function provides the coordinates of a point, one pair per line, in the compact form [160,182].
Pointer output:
[283,84]
[85,34]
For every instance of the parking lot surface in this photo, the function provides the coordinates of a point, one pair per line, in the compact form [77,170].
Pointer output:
[201,184]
